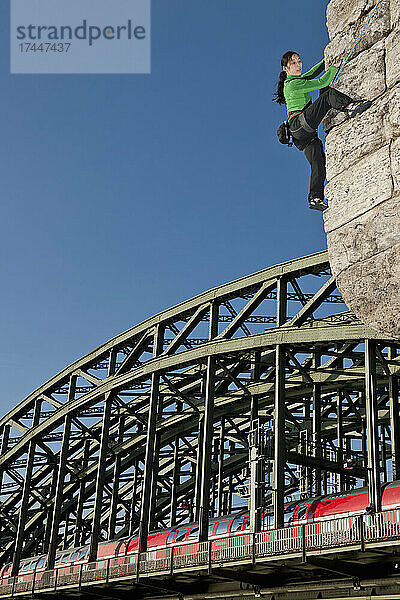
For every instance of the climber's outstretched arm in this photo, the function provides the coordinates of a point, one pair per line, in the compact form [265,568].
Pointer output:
[315,70]
[300,84]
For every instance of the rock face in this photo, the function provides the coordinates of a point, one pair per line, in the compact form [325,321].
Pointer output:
[363,163]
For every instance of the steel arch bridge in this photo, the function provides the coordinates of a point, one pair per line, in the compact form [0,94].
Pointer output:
[257,392]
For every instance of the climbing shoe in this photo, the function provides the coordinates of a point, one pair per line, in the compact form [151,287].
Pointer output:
[317,204]
[359,107]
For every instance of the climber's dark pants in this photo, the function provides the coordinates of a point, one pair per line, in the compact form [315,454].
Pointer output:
[316,157]
[309,142]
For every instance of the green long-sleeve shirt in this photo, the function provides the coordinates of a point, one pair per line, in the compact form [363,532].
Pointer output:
[297,88]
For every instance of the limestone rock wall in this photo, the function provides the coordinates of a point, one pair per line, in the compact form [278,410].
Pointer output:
[363,163]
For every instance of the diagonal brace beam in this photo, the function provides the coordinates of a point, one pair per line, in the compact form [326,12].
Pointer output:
[309,308]
[247,310]
[187,329]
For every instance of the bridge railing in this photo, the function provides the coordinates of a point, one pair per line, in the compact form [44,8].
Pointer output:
[336,533]
[297,539]
[233,548]
[382,525]
[279,541]
[195,554]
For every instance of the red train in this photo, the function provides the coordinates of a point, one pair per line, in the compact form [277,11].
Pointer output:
[312,510]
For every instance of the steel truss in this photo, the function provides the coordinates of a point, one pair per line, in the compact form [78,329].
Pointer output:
[199,408]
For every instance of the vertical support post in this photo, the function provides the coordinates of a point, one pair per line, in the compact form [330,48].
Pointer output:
[213,478]
[175,483]
[255,375]
[79,534]
[364,446]
[206,452]
[258,470]
[308,484]
[146,503]
[302,471]
[374,486]
[115,486]
[176,474]
[278,476]
[3,448]
[23,511]
[393,388]
[199,460]
[383,454]
[100,479]
[33,584]
[80,577]
[108,571]
[55,521]
[132,519]
[172,548]
[348,440]
[229,497]
[339,435]
[221,451]
[208,430]
[303,543]
[362,533]
[316,425]
[281,301]
[199,457]
[66,530]
[255,452]
[102,462]
[50,510]
[325,483]
[156,452]
[306,409]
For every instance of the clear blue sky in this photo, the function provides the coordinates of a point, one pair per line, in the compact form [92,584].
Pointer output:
[123,195]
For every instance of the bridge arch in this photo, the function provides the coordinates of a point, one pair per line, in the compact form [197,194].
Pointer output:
[154,427]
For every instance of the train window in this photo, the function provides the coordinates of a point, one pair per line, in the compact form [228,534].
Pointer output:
[210,529]
[65,558]
[41,562]
[82,553]
[301,513]
[222,528]
[73,556]
[289,515]
[24,566]
[193,533]
[180,536]
[57,560]
[33,565]
[170,536]
[237,524]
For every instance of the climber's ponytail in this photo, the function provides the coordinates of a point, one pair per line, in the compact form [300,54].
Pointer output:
[279,96]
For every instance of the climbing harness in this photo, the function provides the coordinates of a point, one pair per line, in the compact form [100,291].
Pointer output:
[356,43]
[305,125]
[285,134]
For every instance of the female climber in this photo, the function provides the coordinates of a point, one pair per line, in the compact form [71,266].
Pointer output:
[304,116]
